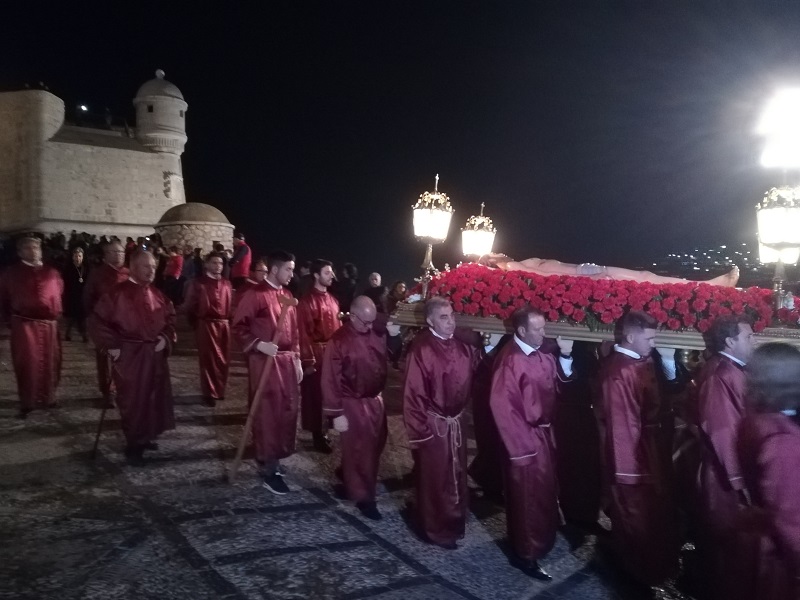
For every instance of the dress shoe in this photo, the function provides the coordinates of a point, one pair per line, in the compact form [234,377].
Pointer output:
[135,455]
[531,568]
[23,413]
[369,510]
[151,446]
[322,444]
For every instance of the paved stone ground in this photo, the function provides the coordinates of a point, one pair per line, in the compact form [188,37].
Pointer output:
[71,527]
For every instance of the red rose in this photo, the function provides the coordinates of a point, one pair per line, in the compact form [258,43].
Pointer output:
[476,297]
[759,325]
[567,309]
[579,315]
[607,317]
[552,315]
[673,324]
[703,325]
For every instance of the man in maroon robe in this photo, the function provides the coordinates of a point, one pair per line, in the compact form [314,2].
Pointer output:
[765,560]
[353,377]
[135,325]
[208,307]
[720,405]
[438,378]
[30,303]
[100,281]
[523,403]
[642,511]
[318,318]
[255,325]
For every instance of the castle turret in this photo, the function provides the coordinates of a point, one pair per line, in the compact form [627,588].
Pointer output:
[161,116]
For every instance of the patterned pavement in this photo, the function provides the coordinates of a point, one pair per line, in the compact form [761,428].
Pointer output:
[72,527]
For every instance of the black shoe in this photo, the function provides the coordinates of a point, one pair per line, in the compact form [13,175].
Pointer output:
[68,338]
[23,413]
[151,446]
[447,545]
[209,401]
[85,339]
[275,484]
[135,455]
[340,492]
[531,568]
[369,510]
[339,473]
[322,443]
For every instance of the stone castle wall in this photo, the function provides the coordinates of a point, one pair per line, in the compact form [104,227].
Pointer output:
[59,178]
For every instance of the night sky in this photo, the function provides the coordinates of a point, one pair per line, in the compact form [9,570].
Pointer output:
[612,134]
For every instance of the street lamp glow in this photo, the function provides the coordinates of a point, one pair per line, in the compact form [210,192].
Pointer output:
[432,215]
[780,125]
[84,108]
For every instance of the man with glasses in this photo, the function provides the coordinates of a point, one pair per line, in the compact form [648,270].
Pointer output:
[100,281]
[353,377]
[208,306]
[318,317]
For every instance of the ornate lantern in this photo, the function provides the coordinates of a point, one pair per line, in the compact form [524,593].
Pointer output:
[432,215]
[477,236]
[778,217]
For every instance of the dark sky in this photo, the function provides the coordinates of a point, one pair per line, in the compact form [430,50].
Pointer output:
[610,133]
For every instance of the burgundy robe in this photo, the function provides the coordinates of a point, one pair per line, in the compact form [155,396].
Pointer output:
[256,320]
[100,281]
[642,511]
[353,373]
[208,307]
[523,402]
[721,386]
[318,318]
[30,301]
[436,391]
[132,318]
[768,547]
[578,442]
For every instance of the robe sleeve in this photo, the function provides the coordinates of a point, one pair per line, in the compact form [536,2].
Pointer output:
[305,323]
[331,380]
[509,415]
[721,425]
[624,431]
[416,401]
[780,489]
[245,312]
[100,325]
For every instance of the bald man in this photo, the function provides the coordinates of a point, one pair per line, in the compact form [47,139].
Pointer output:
[353,377]
[135,325]
[30,303]
[100,281]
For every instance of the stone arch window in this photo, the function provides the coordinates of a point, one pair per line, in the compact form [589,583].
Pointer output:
[181,113]
[149,108]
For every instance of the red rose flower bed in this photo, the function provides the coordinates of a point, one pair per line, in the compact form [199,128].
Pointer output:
[480,291]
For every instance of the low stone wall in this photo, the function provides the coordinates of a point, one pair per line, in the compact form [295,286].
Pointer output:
[197,234]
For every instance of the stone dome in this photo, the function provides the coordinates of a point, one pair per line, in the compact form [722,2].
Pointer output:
[193,212]
[159,87]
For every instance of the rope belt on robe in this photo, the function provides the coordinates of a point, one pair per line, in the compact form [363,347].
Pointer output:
[32,319]
[210,320]
[452,427]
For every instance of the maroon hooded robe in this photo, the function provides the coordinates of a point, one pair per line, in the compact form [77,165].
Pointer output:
[256,320]
[353,376]
[642,511]
[99,282]
[769,531]
[30,301]
[318,318]
[523,402]
[437,389]
[208,306]
[132,318]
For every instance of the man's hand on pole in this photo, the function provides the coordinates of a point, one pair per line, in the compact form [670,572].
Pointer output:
[564,346]
[341,424]
[114,354]
[298,368]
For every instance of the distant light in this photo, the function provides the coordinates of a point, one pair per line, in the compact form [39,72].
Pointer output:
[723,246]
[655,264]
[83,107]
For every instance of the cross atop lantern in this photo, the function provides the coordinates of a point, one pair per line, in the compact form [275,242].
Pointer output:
[477,236]
[432,215]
